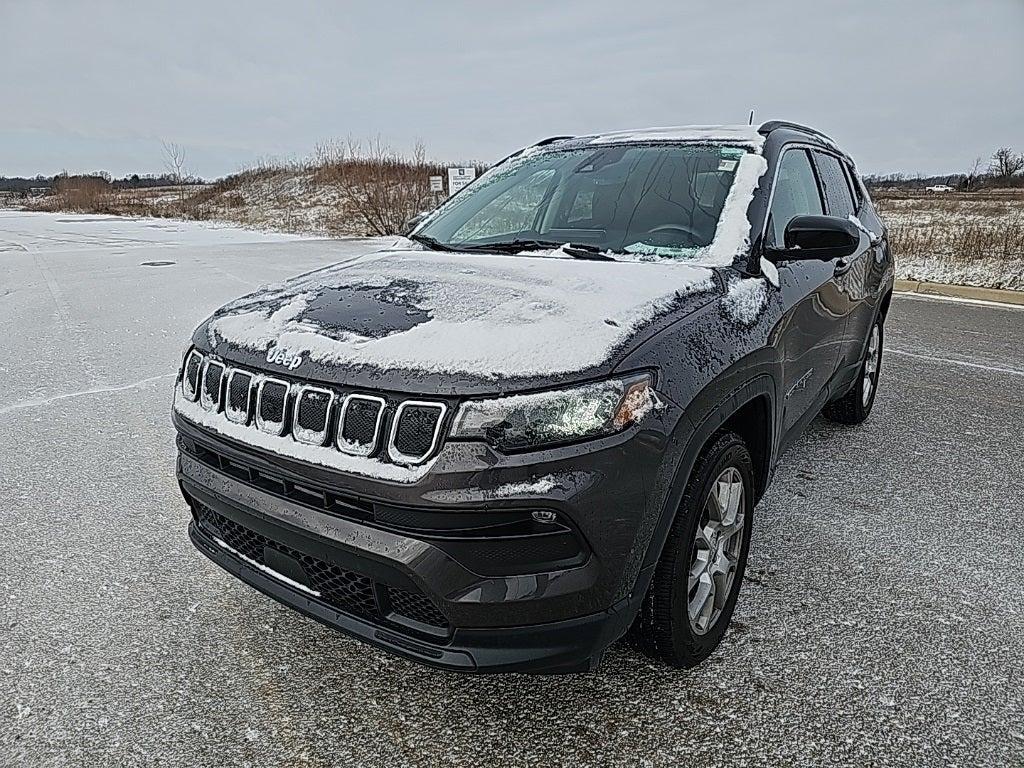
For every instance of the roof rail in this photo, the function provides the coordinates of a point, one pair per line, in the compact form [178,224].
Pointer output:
[771,125]
[552,140]
[541,143]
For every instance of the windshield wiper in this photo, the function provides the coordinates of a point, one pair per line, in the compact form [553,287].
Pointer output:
[576,250]
[588,252]
[432,243]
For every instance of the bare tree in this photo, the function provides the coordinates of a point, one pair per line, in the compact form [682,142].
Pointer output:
[174,164]
[383,187]
[1005,163]
[972,178]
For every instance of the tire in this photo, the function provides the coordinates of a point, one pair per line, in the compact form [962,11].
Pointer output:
[855,406]
[665,629]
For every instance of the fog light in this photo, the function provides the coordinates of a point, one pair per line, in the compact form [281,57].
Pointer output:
[544,516]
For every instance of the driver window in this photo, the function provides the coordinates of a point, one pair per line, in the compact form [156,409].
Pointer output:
[796,194]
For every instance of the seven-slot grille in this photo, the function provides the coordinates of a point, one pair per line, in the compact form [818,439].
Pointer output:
[354,424]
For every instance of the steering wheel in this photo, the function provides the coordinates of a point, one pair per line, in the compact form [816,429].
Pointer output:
[658,234]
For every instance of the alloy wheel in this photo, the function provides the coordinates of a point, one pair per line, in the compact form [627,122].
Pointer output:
[716,550]
[871,363]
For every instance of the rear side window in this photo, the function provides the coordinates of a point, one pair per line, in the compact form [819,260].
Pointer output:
[837,189]
[858,194]
[796,194]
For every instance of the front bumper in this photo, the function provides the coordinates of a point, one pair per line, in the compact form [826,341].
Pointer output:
[497,616]
[565,646]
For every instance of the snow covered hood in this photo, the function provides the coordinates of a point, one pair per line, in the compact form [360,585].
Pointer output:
[409,318]
[475,316]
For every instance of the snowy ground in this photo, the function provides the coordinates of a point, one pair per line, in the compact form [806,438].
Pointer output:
[881,622]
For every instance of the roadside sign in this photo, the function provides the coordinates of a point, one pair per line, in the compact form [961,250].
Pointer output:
[437,184]
[459,177]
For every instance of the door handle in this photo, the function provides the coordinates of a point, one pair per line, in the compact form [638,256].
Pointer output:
[842,267]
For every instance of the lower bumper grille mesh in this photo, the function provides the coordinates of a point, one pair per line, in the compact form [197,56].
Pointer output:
[344,590]
[415,607]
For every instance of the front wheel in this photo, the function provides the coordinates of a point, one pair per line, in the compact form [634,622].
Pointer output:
[696,582]
[855,406]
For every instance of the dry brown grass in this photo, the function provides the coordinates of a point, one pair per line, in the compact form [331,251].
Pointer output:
[344,188]
[974,238]
[960,225]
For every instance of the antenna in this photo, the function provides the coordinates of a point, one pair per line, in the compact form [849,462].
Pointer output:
[751,121]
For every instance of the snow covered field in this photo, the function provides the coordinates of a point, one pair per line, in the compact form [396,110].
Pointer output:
[34,232]
[880,623]
[958,238]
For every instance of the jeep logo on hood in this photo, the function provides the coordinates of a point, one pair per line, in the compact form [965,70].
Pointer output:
[282,356]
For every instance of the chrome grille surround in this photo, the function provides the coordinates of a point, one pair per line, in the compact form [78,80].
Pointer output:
[344,445]
[266,425]
[190,389]
[245,408]
[211,400]
[305,435]
[403,458]
[238,415]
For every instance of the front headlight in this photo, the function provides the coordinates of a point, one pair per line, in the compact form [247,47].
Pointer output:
[561,416]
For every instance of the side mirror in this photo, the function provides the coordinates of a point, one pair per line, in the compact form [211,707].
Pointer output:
[414,222]
[819,238]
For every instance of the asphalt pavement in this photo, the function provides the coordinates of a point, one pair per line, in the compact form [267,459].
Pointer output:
[881,622]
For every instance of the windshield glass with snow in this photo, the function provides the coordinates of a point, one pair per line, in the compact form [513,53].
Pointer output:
[660,200]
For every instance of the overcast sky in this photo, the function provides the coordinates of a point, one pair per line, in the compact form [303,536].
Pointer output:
[903,85]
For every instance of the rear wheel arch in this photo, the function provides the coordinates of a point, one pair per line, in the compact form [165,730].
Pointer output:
[883,309]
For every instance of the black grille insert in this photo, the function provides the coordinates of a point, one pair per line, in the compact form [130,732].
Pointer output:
[270,409]
[236,408]
[209,397]
[190,381]
[415,430]
[312,410]
[360,421]
[415,607]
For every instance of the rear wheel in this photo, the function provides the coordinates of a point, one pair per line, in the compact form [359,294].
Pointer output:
[855,406]
[693,593]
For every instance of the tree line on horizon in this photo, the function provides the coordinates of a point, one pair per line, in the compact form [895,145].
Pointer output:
[1005,168]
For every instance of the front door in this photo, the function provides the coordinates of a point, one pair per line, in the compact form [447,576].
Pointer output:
[811,330]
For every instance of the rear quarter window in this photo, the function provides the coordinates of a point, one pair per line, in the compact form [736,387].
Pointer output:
[838,196]
[855,185]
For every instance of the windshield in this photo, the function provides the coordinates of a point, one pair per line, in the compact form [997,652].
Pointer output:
[664,200]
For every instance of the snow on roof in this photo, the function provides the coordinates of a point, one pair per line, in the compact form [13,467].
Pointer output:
[745,135]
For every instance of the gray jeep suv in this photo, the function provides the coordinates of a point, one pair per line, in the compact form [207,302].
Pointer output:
[542,422]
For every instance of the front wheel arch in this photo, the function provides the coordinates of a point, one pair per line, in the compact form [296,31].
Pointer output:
[750,412]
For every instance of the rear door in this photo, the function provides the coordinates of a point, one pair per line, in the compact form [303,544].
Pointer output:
[811,331]
[853,274]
